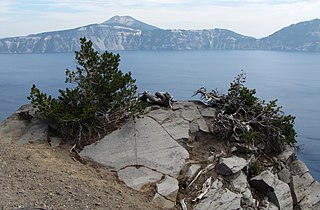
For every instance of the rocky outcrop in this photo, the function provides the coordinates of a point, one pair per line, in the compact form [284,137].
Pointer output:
[305,190]
[24,127]
[276,190]
[172,154]
[146,148]
[231,165]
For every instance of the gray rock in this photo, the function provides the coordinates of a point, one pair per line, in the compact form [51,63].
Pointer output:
[193,127]
[162,202]
[312,198]
[168,188]
[247,198]
[187,109]
[288,155]
[202,124]
[143,143]
[276,190]
[54,141]
[166,195]
[240,183]
[192,171]
[298,167]
[14,129]
[208,112]
[177,128]
[219,199]
[35,131]
[161,114]
[231,165]
[139,178]
[285,175]
[305,192]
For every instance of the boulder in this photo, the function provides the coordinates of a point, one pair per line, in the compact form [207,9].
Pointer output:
[168,188]
[162,202]
[312,198]
[142,142]
[285,175]
[298,167]
[23,128]
[36,130]
[240,182]
[140,179]
[12,128]
[305,192]
[231,165]
[288,155]
[166,195]
[276,190]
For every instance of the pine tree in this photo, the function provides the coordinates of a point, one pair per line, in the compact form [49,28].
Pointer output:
[100,97]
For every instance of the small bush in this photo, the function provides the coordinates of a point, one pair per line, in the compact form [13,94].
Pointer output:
[255,169]
[101,96]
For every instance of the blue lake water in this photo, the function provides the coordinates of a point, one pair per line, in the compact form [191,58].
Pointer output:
[292,78]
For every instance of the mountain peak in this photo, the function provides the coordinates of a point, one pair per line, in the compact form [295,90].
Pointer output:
[128,21]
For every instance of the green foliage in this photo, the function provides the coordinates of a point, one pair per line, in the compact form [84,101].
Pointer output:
[244,117]
[267,120]
[101,95]
[250,136]
[255,169]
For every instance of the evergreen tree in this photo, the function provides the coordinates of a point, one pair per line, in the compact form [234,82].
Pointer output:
[100,97]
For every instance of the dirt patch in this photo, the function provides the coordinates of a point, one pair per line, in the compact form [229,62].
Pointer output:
[37,175]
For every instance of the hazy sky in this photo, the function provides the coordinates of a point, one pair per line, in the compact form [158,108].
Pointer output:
[256,18]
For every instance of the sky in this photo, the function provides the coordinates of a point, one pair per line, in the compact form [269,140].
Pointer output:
[257,18]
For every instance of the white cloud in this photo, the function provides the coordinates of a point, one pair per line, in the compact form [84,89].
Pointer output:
[249,17]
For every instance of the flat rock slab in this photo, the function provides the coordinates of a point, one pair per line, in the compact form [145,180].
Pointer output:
[143,143]
[177,128]
[168,188]
[231,165]
[140,178]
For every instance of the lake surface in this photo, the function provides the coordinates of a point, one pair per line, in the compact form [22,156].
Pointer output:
[292,78]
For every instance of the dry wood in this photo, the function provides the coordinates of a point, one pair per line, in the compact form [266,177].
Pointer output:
[183,204]
[160,98]
[205,189]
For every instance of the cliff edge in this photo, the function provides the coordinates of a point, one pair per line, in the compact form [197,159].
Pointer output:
[167,158]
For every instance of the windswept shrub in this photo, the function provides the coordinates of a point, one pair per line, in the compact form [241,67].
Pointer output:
[242,117]
[100,97]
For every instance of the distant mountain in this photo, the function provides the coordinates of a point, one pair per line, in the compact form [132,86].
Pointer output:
[303,36]
[127,33]
[127,21]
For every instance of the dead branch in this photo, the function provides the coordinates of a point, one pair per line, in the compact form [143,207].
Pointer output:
[241,117]
[205,189]
[160,98]
[183,204]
